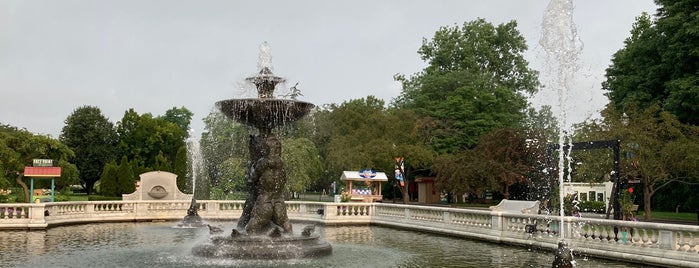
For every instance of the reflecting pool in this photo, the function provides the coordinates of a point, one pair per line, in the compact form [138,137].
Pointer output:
[162,244]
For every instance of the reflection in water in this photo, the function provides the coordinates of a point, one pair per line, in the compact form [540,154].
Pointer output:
[163,245]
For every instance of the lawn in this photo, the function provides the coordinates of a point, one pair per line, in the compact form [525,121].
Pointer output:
[673,216]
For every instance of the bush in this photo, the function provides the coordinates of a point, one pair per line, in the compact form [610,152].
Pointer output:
[592,206]
[102,198]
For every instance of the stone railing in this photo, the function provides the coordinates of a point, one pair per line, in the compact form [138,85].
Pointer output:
[640,242]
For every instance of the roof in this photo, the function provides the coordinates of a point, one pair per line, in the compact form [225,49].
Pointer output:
[355,176]
[42,172]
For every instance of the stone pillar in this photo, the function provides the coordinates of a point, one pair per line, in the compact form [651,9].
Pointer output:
[666,239]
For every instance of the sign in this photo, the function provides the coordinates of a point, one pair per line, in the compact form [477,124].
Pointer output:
[42,163]
[367,173]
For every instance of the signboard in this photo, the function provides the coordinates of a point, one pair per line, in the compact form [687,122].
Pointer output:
[42,163]
[367,173]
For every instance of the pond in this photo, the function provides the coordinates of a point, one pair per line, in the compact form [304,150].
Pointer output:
[162,244]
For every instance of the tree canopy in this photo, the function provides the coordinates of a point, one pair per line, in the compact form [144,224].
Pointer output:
[93,139]
[660,62]
[475,81]
[362,133]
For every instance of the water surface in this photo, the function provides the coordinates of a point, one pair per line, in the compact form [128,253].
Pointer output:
[162,244]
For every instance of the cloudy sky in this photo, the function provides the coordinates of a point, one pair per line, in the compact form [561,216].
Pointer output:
[56,56]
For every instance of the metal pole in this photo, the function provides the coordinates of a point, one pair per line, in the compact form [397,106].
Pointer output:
[617,182]
[31,190]
[53,189]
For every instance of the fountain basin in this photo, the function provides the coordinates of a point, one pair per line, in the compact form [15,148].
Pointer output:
[264,114]
[263,248]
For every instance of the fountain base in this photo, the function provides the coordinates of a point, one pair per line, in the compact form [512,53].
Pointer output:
[263,247]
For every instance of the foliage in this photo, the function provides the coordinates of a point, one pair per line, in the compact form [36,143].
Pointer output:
[657,149]
[125,177]
[151,142]
[180,167]
[362,133]
[19,147]
[232,177]
[502,158]
[301,162]
[592,206]
[109,180]
[92,138]
[180,117]
[474,82]
[222,139]
[660,62]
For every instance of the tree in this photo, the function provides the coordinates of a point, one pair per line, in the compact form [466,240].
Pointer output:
[147,140]
[474,83]
[180,167]
[301,162]
[658,150]
[222,140]
[362,133]
[19,147]
[181,117]
[125,177]
[660,62]
[502,158]
[93,139]
[109,179]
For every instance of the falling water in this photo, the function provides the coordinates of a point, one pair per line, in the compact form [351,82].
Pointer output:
[195,158]
[562,46]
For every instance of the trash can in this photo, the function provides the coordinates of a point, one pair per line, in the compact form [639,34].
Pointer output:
[336,198]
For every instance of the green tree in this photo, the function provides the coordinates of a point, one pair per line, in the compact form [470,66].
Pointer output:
[475,82]
[181,117]
[362,133]
[659,62]
[301,162]
[658,149]
[142,138]
[180,167]
[109,179]
[92,137]
[222,140]
[19,147]
[125,177]
[502,158]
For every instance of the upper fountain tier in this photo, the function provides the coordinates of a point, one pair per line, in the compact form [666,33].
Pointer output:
[265,112]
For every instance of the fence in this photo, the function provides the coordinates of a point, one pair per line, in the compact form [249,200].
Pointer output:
[640,242]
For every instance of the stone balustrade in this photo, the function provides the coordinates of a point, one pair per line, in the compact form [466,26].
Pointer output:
[639,242]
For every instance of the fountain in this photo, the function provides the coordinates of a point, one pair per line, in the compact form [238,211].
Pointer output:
[560,42]
[264,230]
[192,219]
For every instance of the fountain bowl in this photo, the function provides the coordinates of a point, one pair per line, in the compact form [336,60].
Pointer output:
[262,247]
[264,114]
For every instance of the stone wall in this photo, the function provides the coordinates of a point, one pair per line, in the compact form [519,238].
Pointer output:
[157,185]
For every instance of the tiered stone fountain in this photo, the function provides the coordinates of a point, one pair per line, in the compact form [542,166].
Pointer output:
[264,230]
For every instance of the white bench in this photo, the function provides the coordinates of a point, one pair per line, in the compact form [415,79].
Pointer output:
[517,206]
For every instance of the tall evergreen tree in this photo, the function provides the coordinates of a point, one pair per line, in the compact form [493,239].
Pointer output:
[125,177]
[109,179]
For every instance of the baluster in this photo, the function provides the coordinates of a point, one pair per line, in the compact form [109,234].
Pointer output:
[637,241]
[692,244]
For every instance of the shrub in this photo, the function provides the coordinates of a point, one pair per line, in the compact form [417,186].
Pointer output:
[592,206]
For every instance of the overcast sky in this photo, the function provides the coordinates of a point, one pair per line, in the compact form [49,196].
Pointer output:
[56,56]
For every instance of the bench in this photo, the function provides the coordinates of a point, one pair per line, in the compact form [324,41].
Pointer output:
[517,206]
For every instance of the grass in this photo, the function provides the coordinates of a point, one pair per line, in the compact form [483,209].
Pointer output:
[673,216]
